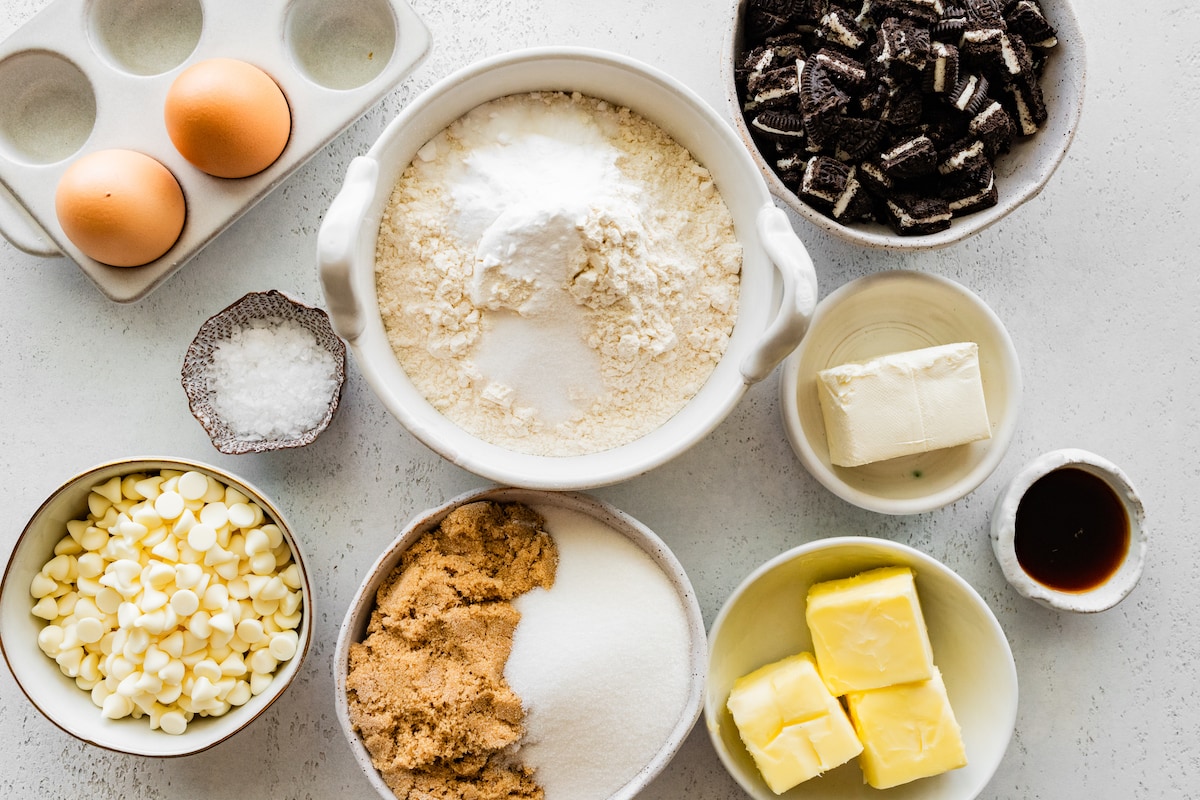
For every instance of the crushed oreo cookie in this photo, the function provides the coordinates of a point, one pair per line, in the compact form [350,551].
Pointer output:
[892,110]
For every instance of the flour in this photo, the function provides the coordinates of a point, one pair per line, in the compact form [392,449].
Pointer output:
[556,275]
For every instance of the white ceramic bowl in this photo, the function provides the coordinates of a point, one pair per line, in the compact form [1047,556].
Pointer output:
[888,312]
[354,626]
[778,284]
[763,621]
[1004,531]
[1021,174]
[55,695]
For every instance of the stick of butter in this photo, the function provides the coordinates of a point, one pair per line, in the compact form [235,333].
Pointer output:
[792,726]
[903,403]
[908,732]
[868,631]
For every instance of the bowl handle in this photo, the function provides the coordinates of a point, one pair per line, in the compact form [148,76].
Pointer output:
[337,246]
[799,300]
[21,230]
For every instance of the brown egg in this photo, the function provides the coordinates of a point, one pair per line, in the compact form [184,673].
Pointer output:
[227,117]
[120,207]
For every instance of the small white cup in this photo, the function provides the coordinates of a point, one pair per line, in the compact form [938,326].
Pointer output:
[1112,590]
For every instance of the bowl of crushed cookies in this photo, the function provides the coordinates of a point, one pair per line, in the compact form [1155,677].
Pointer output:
[489,622]
[559,268]
[905,124]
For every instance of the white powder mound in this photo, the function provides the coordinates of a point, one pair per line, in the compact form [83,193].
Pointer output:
[271,379]
[557,275]
[599,661]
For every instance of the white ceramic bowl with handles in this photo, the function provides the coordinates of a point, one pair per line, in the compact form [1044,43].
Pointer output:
[778,284]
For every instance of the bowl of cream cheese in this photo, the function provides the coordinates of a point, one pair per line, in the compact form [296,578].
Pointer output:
[900,346]
[559,268]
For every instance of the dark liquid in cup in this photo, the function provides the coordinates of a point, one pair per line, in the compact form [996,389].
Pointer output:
[1072,530]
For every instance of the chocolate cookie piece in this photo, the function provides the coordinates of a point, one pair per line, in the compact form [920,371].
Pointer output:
[970,95]
[766,17]
[1026,19]
[903,105]
[923,11]
[855,202]
[825,180]
[994,127]
[858,136]
[778,125]
[901,41]
[984,13]
[874,179]
[966,197]
[840,27]
[841,68]
[910,158]
[941,73]
[790,166]
[966,163]
[774,89]
[832,185]
[823,104]
[1027,106]
[993,52]
[912,214]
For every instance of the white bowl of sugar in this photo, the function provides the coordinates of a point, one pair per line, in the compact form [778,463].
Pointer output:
[559,268]
[614,628]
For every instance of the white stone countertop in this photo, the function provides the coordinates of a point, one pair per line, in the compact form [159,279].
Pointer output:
[1096,280]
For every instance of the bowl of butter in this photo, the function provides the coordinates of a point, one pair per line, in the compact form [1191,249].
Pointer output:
[850,665]
[903,396]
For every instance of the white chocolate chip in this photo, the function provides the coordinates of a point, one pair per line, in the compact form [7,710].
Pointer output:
[192,485]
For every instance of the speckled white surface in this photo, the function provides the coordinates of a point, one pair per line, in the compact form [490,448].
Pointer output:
[1095,279]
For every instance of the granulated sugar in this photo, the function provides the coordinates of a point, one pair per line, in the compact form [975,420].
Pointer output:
[557,275]
[600,661]
[271,379]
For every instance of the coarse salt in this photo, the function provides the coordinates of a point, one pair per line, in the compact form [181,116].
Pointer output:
[271,379]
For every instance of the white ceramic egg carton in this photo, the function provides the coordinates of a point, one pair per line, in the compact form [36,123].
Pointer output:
[87,75]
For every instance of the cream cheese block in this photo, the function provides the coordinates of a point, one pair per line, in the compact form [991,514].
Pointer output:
[908,731]
[792,726]
[903,403]
[868,631]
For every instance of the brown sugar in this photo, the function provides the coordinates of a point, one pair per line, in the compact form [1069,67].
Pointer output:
[426,687]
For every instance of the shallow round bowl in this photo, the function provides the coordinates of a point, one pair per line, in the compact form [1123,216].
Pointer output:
[778,284]
[1003,533]
[763,621]
[889,312]
[354,627]
[1021,174]
[57,696]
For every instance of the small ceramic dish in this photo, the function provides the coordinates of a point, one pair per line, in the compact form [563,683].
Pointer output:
[884,313]
[57,696]
[763,621]
[270,306]
[1104,570]
[573,510]
[1021,174]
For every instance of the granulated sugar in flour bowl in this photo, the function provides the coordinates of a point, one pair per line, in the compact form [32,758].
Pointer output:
[556,275]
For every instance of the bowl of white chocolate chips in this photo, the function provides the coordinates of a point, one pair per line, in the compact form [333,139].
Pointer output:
[155,606]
